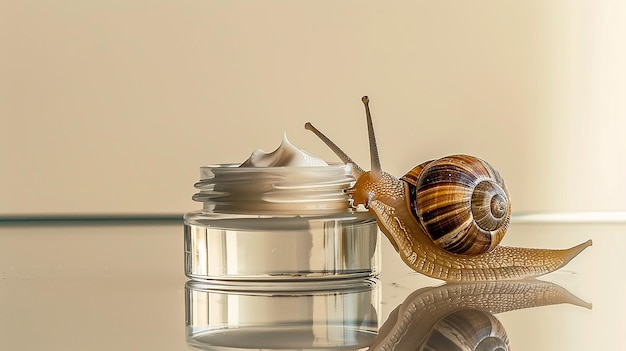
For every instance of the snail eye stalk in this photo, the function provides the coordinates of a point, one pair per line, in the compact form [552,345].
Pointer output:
[356,170]
[376,169]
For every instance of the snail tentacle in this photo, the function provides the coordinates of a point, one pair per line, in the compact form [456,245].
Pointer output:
[356,170]
[376,169]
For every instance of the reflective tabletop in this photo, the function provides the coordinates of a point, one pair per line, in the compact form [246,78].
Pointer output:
[103,284]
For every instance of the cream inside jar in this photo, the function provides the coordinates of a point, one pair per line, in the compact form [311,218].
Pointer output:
[285,181]
[282,215]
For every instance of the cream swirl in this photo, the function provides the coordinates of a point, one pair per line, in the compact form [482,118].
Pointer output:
[287,155]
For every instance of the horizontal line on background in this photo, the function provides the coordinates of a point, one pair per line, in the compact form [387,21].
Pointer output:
[89,218]
[528,217]
[569,217]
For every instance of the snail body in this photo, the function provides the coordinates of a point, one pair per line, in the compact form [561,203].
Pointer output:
[447,217]
[460,316]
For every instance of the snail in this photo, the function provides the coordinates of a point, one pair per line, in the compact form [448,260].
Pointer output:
[447,217]
[460,316]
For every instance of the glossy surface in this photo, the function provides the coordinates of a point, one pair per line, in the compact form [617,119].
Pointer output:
[108,285]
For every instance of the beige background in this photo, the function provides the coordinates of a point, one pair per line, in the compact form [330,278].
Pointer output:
[111,106]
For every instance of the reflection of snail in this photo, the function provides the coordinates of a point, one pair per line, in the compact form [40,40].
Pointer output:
[446,217]
[460,316]
[468,329]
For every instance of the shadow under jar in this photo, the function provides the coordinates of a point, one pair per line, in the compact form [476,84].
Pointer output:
[278,224]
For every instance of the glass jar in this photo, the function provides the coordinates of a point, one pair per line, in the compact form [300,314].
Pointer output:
[277,224]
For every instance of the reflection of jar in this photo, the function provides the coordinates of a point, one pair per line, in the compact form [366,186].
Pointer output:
[278,223]
[274,316]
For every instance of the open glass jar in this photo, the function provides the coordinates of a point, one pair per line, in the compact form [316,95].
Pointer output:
[277,224]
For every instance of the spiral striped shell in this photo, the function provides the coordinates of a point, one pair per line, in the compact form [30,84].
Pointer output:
[468,330]
[461,202]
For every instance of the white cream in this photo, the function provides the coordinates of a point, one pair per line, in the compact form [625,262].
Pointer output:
[285,181]
[286,155]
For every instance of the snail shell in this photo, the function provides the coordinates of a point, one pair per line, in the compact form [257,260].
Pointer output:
[468,330]
[461,202]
